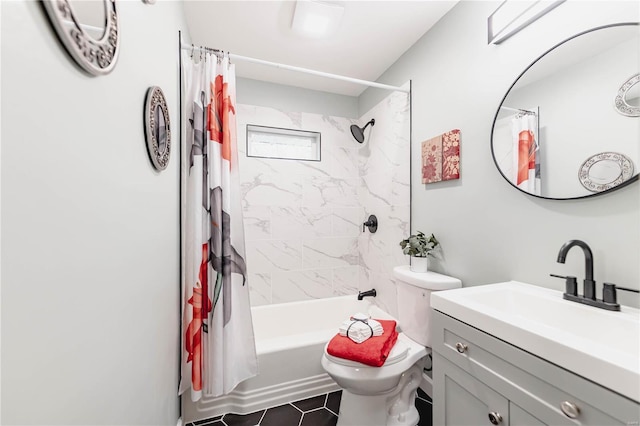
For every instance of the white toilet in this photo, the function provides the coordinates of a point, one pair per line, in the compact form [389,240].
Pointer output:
[384,396]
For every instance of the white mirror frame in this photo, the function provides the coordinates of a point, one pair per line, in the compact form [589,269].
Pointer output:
[620,101]
[96,57]
[155,98]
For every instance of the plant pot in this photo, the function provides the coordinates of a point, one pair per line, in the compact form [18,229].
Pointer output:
[419,264]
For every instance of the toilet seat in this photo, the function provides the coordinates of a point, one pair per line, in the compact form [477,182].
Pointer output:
[397,354]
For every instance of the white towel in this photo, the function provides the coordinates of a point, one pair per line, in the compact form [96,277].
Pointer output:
[360,327]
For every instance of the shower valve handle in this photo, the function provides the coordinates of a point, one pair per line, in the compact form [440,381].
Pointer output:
[371,223]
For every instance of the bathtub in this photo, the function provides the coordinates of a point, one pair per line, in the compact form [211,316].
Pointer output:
[290,339]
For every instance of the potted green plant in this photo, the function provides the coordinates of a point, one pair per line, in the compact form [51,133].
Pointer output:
[419,247]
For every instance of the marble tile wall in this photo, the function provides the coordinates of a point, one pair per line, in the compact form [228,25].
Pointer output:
[303,219]
[384,167]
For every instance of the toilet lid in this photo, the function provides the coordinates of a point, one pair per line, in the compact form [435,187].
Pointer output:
[398,353]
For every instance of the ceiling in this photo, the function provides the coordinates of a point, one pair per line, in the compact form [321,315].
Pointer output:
[371,37]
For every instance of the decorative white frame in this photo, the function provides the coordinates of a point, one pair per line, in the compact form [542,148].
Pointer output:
[96,57]
[626,171]
[620,100]
[154,99]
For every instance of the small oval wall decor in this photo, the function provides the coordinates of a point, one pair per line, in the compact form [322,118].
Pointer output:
[620,101]
[92,43]
[605,170]
[157,128]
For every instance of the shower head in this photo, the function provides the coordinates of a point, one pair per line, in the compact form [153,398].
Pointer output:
[358,133]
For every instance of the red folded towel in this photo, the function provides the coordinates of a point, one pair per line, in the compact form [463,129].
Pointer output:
[373,351]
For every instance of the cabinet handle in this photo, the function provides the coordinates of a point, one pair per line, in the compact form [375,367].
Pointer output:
[495,418]
[461,347]
[570,409]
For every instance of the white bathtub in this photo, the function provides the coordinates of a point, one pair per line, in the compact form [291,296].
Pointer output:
[290,339]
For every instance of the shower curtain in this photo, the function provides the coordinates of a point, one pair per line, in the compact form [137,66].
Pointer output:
[218,346]
[526,158]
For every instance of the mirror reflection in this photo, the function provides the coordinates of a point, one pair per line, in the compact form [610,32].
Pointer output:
[160,130]
[561,112]
[626,100]
[605,171]
[91,16]
[633,95]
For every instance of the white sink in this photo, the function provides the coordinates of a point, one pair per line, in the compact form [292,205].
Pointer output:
[600,345]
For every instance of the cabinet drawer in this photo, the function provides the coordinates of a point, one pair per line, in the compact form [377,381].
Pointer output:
[531,383]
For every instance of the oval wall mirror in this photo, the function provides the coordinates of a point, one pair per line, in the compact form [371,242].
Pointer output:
[88,30]
[157,128]
[562,111]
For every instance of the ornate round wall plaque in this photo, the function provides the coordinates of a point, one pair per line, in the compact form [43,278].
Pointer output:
[605,170]
[620,101]
[156,128]
[91,43]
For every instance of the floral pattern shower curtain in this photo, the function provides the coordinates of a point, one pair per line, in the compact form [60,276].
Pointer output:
[218,347]
[526,155]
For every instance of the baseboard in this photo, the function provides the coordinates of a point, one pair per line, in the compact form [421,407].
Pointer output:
[258,399]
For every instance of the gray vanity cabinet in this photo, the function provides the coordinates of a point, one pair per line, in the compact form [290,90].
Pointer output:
[468,402]
[481,380]
[464,399]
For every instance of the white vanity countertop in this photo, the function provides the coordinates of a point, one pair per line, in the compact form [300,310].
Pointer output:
[602,346]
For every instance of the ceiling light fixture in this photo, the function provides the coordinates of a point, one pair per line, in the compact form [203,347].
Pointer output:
[314,18]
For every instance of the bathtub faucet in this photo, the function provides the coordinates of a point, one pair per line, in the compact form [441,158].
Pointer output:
[363,294]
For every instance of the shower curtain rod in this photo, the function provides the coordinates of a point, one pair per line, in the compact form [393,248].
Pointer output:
[525,111]
[299,69]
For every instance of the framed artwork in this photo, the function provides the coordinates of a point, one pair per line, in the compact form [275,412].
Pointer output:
[441,157]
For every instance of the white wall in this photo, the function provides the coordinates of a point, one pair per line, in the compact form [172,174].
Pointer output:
[290,98]
[90,243]
[489,231]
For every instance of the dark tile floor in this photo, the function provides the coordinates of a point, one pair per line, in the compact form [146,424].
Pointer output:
[424,406]
[317,411]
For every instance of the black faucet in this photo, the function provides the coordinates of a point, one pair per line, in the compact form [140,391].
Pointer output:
[363,294]
[589,297]
[589,283]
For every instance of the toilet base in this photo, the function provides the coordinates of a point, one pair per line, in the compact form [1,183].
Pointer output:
[396,408]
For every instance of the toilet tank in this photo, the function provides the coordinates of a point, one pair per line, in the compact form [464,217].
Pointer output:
[414,300]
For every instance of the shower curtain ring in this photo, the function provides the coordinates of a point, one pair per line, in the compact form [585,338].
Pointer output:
[192,49]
